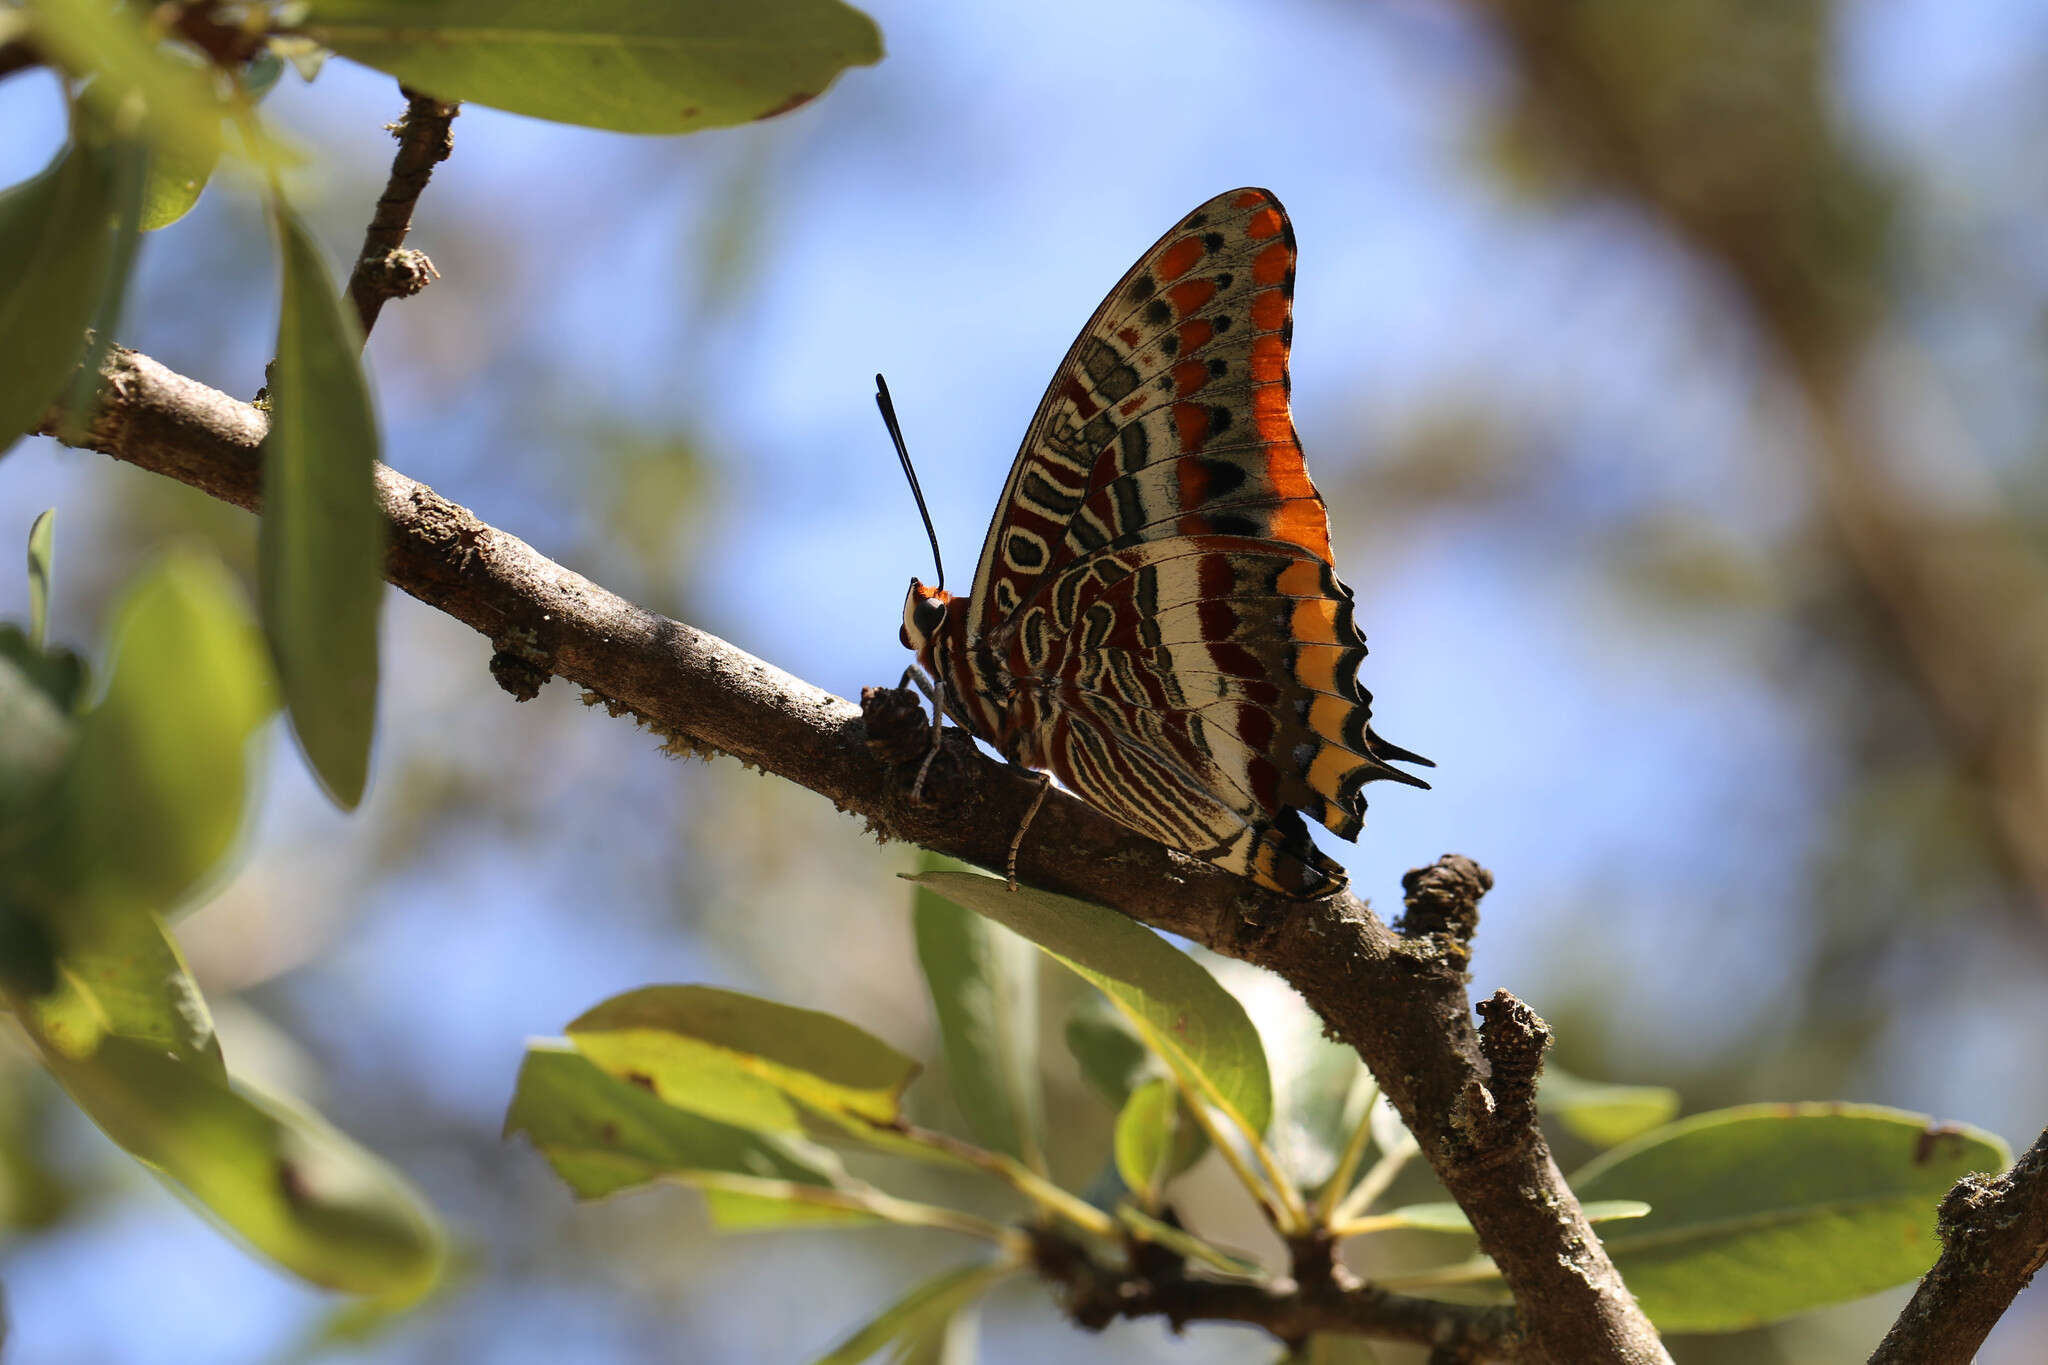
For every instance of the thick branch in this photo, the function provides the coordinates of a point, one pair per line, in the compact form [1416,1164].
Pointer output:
[383,270]
[1097,1295]
[1994,1236]
[1400,1001]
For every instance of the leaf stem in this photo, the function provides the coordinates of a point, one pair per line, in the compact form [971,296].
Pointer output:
[1013,1173]
[862,1199]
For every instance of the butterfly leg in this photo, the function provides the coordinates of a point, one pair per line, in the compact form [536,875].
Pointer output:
[934,693]
[1017,840]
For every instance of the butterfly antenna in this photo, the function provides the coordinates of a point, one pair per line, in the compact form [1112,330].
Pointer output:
[888,407]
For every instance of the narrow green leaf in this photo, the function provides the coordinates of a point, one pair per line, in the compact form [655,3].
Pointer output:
[153,795]
[40,534]
[682,1039]
[618,64]
[1764,1211]
[57,234]
[1605,1114]
[984,987]
[321,541]
[1145,1138]
[913,1320]
[1185,1016]
[603,1134]
[281,1179]
[775,1205]
[127,160]
[1318,1101]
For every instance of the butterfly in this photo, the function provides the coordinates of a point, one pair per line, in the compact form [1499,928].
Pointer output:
[1155,619]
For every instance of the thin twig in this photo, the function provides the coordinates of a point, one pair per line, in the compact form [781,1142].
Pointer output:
[1098,1294]
[1994,1236]
[383,269]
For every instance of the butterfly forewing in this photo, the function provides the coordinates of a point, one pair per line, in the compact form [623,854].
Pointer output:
[1155,618]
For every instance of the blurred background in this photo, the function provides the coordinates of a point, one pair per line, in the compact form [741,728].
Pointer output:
[1677,375]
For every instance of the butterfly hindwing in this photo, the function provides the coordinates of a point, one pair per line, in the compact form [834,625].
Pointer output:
[1155,617]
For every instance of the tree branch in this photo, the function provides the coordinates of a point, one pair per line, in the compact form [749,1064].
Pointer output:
[1994,1236]
[383,270]
[1097,1295]
[1399,999]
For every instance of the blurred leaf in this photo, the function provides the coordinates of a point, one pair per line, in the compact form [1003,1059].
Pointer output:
[322,533]
[775,1204]
[1605,1114]
[284,1181]
[35,739]
[1145,1132]
[617,64]
[1184,1015]
[57,234]
[306,56]
[1764,1211]
[702,1048]
[260,76]
[139,84]
[917,1323]
[984,988]
[1444,1216]
[1389,1133]
[154,794]
[602,1134]
[1317,1102]
[127,160]
[40,533]
[175,182]
[1107,1048]
[129,981]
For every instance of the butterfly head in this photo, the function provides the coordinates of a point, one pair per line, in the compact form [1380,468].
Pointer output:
[924,612]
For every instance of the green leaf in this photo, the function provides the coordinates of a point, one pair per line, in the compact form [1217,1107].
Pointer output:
[1605,1114]
[602,1134]
[131,982]
[35,740]
[1764,1211]
[127,160]
[57,235]
[1145,1132]
[40,534]
[321,541]
[723,1054]
[918,1322]
[176,180]
[984,988]
[1318,1098]
[1445,1216]
[618,64]
[1184,1015]
[153,795]
[281,1179]
[140,86]
[1111,1055]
